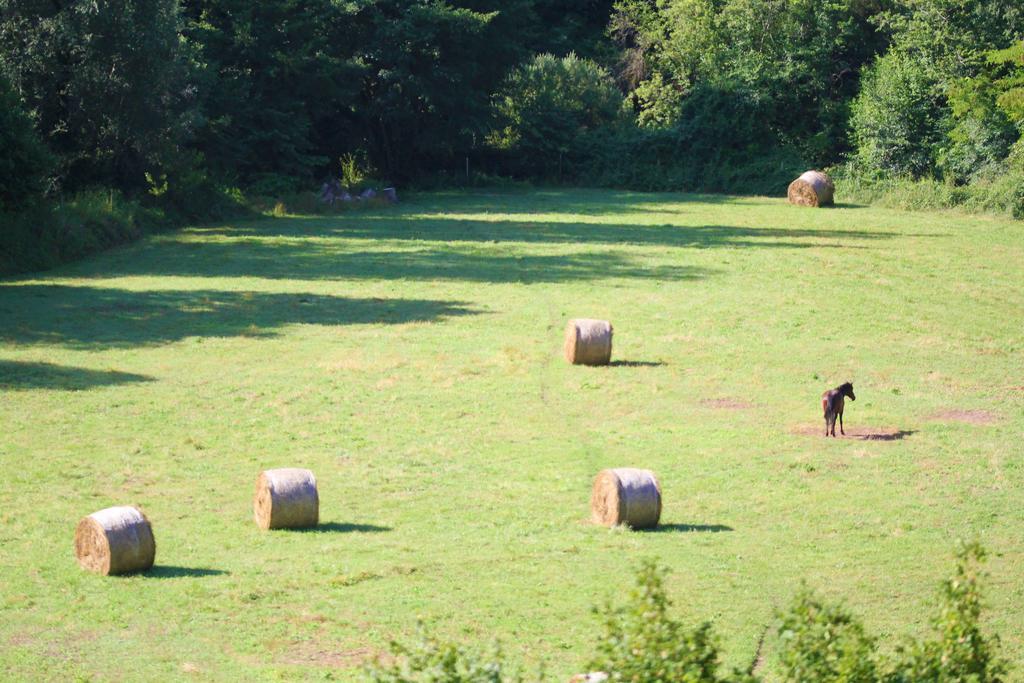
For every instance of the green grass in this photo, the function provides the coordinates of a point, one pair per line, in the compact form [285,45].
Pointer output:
[411,357]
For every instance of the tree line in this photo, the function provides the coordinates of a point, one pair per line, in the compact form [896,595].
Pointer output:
[185,99]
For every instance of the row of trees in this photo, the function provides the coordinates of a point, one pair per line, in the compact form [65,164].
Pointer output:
[129,94]
[177,96]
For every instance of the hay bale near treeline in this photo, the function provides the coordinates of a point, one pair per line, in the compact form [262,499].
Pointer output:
[286,498]
[813,188]
[626,495]
[117,540]
[588,342]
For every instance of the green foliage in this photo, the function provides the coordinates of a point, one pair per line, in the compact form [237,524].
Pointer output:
[999,192]
[960,651]
[641,642]
[42,236]
[821,642]
[107,83]
[24,160]
[721,144]
[1009,87]
[898,120]
[276,81]
[988,111]
[548,104]
[431,660]
[798,60]
[825,643]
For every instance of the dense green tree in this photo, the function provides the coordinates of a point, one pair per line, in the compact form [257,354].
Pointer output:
[914,115]
[278,84]
[547,104]
[899,121]
[799,60]
[425,83]
[24,160]
[107,82]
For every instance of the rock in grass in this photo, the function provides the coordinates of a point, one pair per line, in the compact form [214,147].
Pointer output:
[588,342]
[813,188]
[286,499]
[117,540]
[628,496]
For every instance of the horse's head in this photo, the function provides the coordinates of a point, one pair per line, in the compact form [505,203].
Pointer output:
[847,390]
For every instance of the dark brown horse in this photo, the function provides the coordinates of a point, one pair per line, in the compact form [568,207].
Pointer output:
[832,403]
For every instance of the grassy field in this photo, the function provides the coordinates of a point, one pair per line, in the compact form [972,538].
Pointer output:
[410,356]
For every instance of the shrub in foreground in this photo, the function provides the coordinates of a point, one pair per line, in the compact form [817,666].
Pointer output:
[641,643]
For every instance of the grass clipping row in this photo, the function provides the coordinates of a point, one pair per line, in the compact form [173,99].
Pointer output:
[626,496]
[813,188]
[588,342]
[286,498]
[117,540]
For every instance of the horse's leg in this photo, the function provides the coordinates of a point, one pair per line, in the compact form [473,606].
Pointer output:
[841,423]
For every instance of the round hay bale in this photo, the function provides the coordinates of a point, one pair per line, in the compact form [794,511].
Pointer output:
[286,499]
[117,540]
[813,188]
[588,342]
[626,495]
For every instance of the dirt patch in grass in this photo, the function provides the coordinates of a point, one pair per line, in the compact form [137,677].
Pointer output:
[971,417]
[857,433]
[311,653]
[726,404]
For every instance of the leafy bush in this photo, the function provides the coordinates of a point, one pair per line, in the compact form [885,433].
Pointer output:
[45,235]
[433,661]
[826,644]
[899,120]
[960,652]
[999,191]
[718,146]
[24,160]
[545,106]
[641,642]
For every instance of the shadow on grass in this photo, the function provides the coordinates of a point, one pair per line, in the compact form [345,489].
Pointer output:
[882,436]
[636,364]
[597,202]
[460,227]
[169,571]
[24,375]
[333,259]
[95,317]
[689,528]
[343,528]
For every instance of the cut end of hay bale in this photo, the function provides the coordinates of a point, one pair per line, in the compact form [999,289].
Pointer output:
[626,496]
[813,188]
[588,342]
[117,540]
[286,498]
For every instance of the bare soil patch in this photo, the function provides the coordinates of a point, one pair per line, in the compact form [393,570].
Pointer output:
[971,417]
[857,433]
[726,404]
[314,654]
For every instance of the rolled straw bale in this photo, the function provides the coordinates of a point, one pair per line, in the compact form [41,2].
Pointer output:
[813,188]
[286,499]
[116,540]
[588,342]
[626,495]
